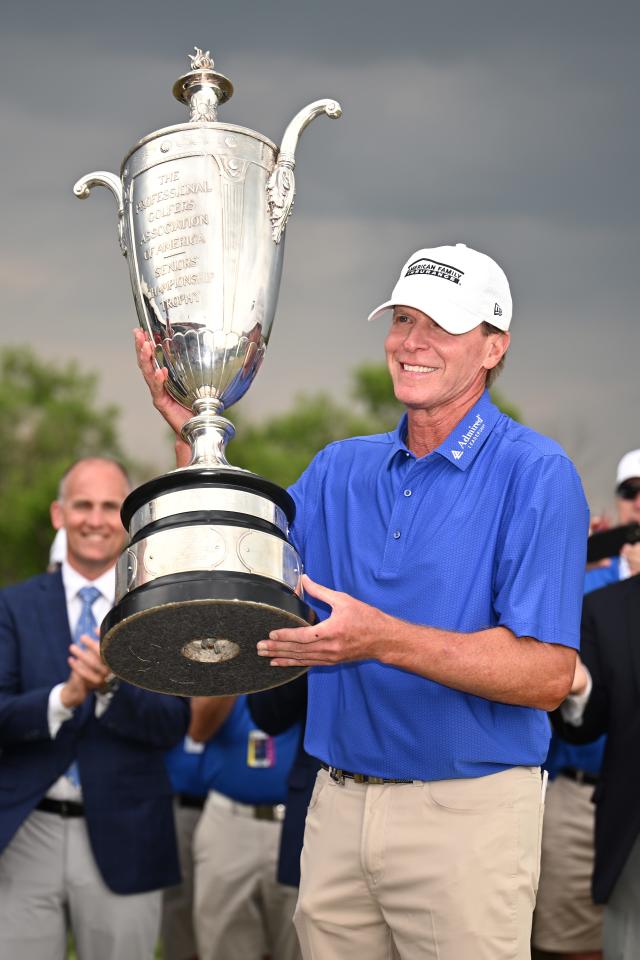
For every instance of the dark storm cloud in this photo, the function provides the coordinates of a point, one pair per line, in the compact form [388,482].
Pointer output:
[509,126]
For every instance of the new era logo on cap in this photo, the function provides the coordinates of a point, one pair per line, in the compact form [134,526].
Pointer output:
[497,310]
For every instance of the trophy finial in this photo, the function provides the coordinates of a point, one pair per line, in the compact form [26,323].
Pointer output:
[200,60]
[203,89]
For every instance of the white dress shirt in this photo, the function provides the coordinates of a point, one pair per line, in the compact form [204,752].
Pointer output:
[57,714]
[572,710]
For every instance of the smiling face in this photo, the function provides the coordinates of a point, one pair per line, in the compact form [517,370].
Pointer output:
[89,511]
[431,368]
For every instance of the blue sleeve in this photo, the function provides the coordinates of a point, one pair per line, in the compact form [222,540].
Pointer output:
[600,577]
[306,496]
[541,554]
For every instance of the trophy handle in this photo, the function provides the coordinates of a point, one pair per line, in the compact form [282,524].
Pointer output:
[281,186]
[100,178]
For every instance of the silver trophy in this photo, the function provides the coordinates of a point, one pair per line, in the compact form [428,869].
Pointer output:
[209,571]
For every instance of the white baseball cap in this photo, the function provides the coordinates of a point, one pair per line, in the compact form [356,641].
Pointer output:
[628,467]
[58,551]
[456,286]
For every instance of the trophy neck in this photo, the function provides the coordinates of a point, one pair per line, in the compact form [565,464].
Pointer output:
[208,434]
[203,89]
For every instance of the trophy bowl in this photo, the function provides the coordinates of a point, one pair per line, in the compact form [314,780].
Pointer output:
[209,570]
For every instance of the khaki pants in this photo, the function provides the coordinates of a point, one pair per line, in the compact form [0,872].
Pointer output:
[241,911]
[445,870]
[47,873]
[566,919]
[178,936]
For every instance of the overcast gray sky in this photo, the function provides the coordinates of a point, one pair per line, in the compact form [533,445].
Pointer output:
[509,126]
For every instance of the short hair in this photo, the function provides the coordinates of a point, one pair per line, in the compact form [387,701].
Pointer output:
[495,372]
[116,463]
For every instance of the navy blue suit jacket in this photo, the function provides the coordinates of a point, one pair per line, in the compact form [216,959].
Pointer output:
[126,791]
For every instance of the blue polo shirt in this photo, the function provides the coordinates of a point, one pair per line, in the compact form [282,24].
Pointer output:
[225,766]
[489,529]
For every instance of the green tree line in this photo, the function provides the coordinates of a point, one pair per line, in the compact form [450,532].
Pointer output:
[50,416]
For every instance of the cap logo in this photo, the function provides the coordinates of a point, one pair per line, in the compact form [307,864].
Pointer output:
[432,268]
[497,310]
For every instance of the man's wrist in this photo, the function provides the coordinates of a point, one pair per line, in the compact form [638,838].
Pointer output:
[70,697]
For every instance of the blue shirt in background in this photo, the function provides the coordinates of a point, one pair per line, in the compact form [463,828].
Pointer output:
[487,530]
[226,760]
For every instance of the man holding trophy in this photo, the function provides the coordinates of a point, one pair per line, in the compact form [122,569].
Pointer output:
[447,563]
[444,559]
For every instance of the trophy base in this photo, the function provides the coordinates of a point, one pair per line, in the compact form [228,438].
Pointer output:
[196,634]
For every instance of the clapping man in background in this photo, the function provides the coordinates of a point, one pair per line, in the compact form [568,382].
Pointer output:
[86,825]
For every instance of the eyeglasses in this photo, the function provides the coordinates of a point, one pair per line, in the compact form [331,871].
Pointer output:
[628,490]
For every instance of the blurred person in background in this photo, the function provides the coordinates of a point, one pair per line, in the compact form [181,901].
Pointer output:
[241,910]
[185,772]
[567,923]
[58,551]
[605,699]
[86,824]
[275,711]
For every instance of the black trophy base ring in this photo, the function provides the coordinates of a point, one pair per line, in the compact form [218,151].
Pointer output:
[197,635]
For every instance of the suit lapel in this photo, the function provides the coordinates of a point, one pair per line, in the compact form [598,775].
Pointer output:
[54,624]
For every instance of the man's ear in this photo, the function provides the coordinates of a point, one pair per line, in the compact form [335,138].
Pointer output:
[499,344]
[55,512]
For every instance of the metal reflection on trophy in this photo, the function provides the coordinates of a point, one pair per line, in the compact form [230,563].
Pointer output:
[209,571]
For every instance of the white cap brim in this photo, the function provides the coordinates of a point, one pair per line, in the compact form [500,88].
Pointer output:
[451,317]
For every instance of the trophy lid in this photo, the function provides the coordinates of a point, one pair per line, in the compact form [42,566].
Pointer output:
[203,89]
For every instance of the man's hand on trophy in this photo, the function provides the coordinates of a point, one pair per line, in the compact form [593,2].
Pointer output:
[173,412]
[353,631]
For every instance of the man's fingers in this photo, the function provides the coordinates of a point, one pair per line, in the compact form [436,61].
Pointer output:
[90,657]
[86,673]
[318,591]
[295,635]
[90,642]
[288,662]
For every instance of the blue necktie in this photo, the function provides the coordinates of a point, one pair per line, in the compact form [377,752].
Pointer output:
[86,624]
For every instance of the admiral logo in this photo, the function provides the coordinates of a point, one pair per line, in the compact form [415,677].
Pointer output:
[432,268]
[469,437]
[497,310]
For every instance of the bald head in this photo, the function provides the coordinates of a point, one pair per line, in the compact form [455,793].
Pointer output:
[91,460]
[88,507]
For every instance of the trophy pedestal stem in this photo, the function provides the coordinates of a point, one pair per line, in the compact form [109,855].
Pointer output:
[208,434]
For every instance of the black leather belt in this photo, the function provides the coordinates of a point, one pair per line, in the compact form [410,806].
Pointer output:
[339,776]
[191,800]
[64,808]
[580,776]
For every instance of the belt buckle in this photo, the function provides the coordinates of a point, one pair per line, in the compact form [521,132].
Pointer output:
[337,775]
